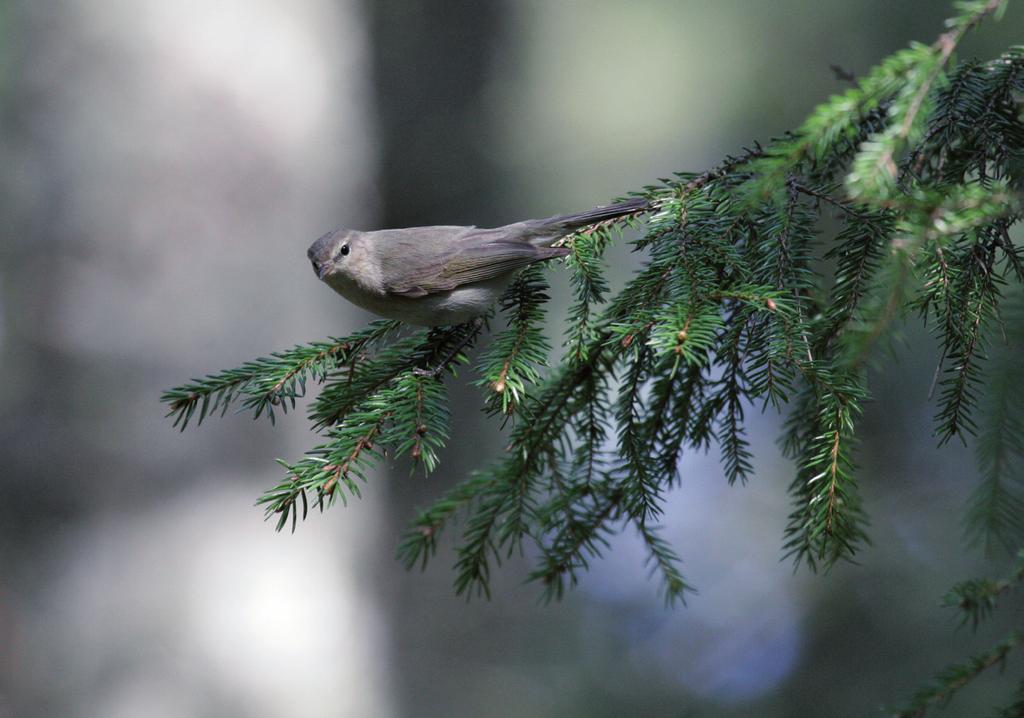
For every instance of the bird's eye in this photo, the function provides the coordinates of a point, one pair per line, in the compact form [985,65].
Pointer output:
[344,250]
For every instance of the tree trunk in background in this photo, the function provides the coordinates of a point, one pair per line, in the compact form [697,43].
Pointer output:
[431,70]
[431,74]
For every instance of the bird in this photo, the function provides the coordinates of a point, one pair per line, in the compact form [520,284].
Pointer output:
[444,275]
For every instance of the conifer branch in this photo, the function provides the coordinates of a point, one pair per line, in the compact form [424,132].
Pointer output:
[974,600]
[269,382]
[513,362]
[995,510]
[733,307]
[977,599]
[955,677]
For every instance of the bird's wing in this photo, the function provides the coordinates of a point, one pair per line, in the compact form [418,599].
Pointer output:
[475,258]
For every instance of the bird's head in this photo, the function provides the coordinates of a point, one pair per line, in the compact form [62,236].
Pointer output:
[335,256]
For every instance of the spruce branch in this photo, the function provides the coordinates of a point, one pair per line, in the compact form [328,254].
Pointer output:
[995,510]
[269,382]
[1014,709]
[661,559]
[953,678]
[976,599]
[874,172]
[515,358]
[769,280]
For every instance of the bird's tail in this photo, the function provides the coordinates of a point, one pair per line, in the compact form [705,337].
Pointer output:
[540,232]
[571,222]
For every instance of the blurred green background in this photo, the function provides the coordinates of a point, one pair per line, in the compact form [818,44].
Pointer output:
[165,166]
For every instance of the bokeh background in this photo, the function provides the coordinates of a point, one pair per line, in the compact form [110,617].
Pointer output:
[164,167]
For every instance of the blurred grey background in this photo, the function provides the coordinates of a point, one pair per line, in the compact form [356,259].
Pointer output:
[165,166]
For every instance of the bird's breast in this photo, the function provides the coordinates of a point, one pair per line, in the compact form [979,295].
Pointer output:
[453,307]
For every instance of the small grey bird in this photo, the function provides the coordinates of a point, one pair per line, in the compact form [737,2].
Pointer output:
[443,275]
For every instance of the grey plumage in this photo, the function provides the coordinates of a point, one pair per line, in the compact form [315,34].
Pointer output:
[443,274]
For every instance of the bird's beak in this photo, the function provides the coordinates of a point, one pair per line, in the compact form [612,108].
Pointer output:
[322,269]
